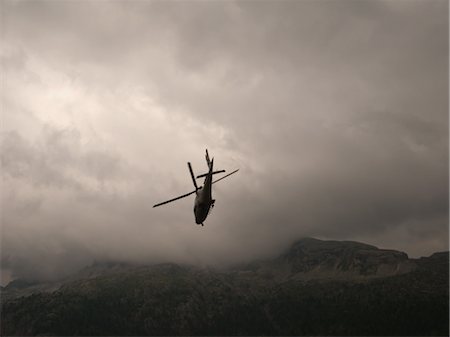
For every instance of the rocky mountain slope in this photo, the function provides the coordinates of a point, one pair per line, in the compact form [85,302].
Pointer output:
[314,288]
[310,259]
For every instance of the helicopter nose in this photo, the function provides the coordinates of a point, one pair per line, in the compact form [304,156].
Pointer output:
[199,217]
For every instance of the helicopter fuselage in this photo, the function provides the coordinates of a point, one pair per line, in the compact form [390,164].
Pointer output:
[203,198]
[202,204]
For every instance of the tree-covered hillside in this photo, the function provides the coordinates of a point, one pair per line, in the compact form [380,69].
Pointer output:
[169,299]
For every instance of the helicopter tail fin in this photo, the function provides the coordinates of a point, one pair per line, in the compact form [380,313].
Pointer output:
[208,161]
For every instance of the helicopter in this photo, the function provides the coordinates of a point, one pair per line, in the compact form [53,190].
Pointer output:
[203,195]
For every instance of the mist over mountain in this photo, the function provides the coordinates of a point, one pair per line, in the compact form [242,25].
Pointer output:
[314,287]
[335,113]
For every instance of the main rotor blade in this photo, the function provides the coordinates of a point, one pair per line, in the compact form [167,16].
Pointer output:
[193,177]
[205,174]
[229,174]
[180,197]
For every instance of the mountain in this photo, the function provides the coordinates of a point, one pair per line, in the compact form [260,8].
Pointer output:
[309,259]
[313,288]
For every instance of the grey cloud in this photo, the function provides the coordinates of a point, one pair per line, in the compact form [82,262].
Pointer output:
[56,159]
[336,113]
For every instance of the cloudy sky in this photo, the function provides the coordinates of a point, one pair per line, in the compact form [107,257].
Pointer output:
[336,113]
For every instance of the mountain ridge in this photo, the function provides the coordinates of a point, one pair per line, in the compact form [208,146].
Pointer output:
[307,258]
[314,287]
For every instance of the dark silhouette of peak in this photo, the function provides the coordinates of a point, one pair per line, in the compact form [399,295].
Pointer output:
[439,256]
[313,244]
[20,284]
[310,258]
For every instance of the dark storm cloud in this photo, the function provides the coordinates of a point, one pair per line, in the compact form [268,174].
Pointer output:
[361,98]
[335,111]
